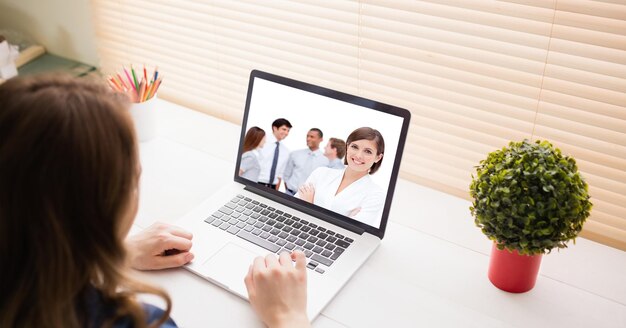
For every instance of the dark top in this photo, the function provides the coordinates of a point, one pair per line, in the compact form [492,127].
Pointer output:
[99,311]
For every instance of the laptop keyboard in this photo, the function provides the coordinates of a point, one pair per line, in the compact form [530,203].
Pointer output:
[278,231]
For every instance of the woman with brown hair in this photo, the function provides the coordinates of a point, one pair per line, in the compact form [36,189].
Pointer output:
[351,191]
[250,166]
[69,171]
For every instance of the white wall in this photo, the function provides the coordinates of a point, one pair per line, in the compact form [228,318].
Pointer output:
[64,27]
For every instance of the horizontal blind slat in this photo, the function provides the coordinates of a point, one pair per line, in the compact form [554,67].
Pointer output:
[484,21]
[529,46]
[594,8]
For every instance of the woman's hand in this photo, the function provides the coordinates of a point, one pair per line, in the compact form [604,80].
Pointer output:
[160,246]
[354,212]
[240,172]
[307,192]
[277,289]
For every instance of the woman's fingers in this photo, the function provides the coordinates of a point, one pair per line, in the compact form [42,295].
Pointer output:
[277,289]
[285,259]
[180,232]
[271,261]
[171,261]
[300,259]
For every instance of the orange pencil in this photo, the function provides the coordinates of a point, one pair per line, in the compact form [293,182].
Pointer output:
[121,81]
[145,92]
[142,90]
[117,86]
[155,87]
[112,85]
[151,89]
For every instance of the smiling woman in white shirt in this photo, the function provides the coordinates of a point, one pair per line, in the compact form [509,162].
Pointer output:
[351,192]
[250,167]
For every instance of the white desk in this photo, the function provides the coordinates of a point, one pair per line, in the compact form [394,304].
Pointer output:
[430,271]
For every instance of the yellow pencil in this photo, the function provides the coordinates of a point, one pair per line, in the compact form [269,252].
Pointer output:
[151,90]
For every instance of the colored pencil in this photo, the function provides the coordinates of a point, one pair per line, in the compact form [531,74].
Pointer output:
[112,85]
[146,88]
[142,90]
[132,70]
[128,77]
[155,87]
[138,90]
[120,80]
[117,86]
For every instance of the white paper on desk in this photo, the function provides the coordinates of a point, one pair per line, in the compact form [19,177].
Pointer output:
[8,55]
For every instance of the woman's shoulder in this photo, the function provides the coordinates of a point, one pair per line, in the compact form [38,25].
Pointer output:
[326,171]
[373,188]
[99,311]
[321,169]
[250,154]
[152,313]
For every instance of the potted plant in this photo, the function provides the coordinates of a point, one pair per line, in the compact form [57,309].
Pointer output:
[528,199]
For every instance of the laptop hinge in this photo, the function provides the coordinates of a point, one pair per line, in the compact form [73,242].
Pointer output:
[307,210]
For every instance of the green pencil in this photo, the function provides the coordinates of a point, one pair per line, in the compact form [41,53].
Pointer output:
[134,78]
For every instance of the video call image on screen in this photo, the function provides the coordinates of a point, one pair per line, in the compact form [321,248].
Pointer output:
[331,153]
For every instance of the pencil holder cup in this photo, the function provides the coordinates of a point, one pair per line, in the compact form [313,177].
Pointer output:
[144,117]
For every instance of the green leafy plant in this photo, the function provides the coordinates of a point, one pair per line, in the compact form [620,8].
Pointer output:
[530,198]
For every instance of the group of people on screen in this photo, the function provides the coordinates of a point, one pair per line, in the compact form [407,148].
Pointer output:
[336,177]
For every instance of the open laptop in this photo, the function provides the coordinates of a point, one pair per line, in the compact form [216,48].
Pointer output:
[246,219]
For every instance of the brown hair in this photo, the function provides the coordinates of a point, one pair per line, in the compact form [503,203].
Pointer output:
[253,138]
[372,135]
[68,169]
[338,145]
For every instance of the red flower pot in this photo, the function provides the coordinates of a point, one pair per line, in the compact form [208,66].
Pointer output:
[513,272]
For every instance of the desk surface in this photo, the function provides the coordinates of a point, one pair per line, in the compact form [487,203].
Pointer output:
[430,270]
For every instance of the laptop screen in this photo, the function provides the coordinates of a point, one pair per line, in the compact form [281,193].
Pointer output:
[327,150]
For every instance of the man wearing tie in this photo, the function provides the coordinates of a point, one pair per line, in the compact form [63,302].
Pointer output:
[275,154]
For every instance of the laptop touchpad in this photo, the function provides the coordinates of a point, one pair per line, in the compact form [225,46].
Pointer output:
[229,266]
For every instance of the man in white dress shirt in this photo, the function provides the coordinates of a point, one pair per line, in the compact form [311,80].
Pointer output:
[335,150]
[302,162]
[275,154]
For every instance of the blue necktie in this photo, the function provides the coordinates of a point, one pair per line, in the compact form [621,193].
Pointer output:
[274,163]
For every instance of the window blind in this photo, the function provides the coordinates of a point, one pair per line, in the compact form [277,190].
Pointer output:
[474,74]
